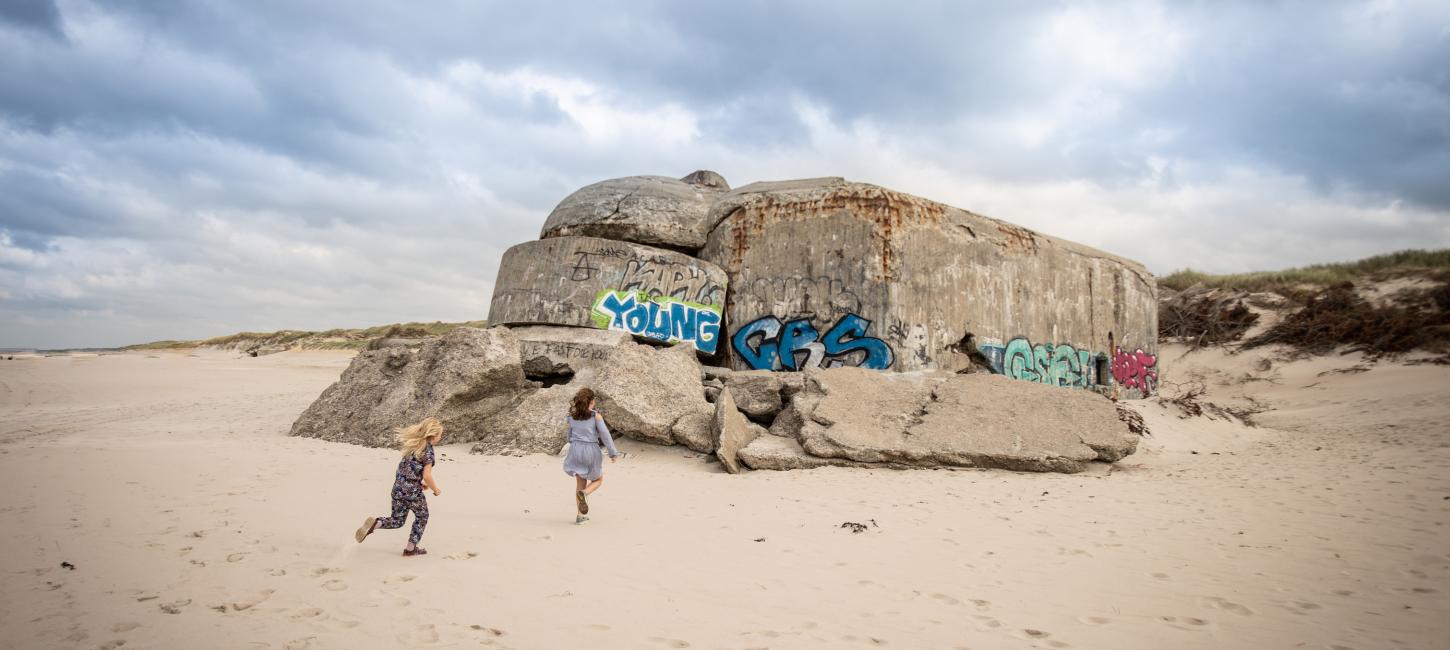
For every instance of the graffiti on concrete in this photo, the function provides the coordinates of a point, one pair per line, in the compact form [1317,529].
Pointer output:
[769,344]
[564,350]
[661,318]
[1058,365]
[1136,369]
[656,275]
[823,299]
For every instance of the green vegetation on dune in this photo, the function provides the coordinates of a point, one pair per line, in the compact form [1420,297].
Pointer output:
[1315,275]
[333,339]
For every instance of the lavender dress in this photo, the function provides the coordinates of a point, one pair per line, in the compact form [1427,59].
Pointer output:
[584,459]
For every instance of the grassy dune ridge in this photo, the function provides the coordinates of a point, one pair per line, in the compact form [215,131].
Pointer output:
[333,339]
[1291,281]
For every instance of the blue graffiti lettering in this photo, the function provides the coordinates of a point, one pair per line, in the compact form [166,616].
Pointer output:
[660,317]
[768,344]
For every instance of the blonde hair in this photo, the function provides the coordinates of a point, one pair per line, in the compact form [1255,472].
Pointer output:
[413,440]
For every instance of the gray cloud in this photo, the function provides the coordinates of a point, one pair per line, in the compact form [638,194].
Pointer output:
[182,170]
[39,15]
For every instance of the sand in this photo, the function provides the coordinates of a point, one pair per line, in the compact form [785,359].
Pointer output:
[191,520]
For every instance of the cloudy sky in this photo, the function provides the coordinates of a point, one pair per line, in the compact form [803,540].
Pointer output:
[182,170]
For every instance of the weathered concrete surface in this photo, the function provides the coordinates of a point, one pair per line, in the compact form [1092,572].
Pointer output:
[947,419]
[732,432]
[652,210]
[464,378]
[534,424]
[756,393]
[577,349]
[473,380]
[693,430]
[921,276]
[556,281]
[645,390]
[776,453]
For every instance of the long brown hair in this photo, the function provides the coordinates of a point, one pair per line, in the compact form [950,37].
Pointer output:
[580,408]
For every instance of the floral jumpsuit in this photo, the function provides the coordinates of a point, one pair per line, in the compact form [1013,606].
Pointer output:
[408,495]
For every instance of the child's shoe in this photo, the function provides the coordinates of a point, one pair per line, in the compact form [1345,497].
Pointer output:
[367,528]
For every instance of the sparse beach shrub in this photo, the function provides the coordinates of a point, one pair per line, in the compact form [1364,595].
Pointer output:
[1338,316]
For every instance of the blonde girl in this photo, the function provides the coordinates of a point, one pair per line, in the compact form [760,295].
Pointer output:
[415,471]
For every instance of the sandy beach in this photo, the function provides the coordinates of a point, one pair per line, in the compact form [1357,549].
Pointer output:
[168,483]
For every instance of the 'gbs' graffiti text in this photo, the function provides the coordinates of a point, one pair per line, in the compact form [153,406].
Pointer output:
[768,344]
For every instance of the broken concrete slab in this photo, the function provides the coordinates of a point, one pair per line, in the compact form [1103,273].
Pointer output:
[777,453]
[946,419]
[534,424]
[652,210]
[756,393]
[463,378]
[644,390]
[693,430]
[732,432]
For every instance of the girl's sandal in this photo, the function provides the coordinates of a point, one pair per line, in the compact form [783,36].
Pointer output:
[369,525]
[583,502]
[416,551]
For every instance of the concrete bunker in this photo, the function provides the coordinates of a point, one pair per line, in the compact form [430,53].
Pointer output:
[821,273]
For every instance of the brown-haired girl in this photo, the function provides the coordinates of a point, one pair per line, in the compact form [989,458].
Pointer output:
[585,461]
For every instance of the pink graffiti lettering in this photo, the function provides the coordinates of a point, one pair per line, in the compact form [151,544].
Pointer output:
[1136,369]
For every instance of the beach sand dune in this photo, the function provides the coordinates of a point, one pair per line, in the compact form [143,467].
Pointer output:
[155,501]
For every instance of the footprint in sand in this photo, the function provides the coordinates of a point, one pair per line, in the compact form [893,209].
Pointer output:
[1302,607]
[277,572]
[497,632]
[1227,606]
[334,585]
[1183,622]
[461,556]
[422,634]
[988,621]
[600,627]
[236,557]
[1095,620]
[303,614]
[672,643]
[124,627]
[243,605]
[300,644]
[322,571]
[393,580]
[111,645]
[1161,576]
[174,607]
[1030,633]
[946,599]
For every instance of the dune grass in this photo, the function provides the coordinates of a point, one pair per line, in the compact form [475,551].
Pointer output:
[1316,275]
[333,339]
